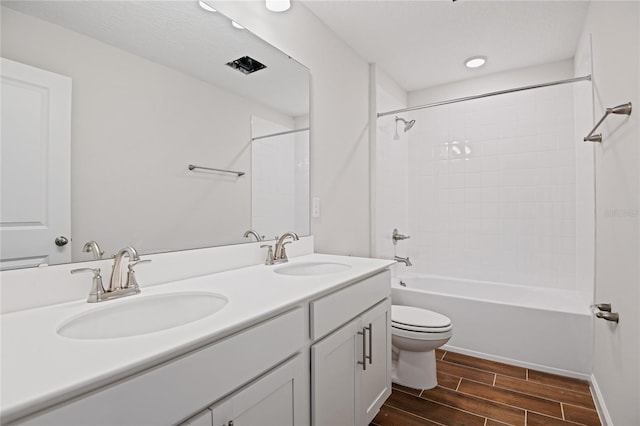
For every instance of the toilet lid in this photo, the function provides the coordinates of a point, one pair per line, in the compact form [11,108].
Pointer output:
[413,318]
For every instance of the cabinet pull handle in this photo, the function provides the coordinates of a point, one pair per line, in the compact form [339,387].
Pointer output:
[364,351]
[370,356]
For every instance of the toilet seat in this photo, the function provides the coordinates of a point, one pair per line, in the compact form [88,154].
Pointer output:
[417,320]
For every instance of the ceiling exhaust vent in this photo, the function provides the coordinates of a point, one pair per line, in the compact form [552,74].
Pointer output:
[246,65]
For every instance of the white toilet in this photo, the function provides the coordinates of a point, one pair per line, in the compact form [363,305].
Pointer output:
[415,335]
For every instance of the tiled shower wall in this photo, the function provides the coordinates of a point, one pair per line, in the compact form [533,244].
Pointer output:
[492,192]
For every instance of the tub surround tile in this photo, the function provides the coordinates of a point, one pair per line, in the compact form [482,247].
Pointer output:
[474,391]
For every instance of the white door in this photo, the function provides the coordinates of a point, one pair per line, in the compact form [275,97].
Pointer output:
[335,377]
[35,217]
[376,379]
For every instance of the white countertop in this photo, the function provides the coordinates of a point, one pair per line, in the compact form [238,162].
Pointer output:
[41,368]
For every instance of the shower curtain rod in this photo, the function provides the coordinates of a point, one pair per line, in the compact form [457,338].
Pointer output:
[485,95]
[279,134]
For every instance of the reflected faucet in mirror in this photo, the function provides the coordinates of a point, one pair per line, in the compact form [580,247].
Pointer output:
[255,235]
[93,247]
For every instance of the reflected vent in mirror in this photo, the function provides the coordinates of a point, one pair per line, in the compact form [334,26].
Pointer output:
[246,65]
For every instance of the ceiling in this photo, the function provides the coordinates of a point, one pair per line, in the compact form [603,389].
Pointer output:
[424,43]
[183,36]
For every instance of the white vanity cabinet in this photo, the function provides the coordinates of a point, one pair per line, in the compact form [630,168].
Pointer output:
[268,401]
[174,391]
[351,367]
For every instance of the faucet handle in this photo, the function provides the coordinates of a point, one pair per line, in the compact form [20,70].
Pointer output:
[132,264]
[269,260]
[132,282]
[97,289]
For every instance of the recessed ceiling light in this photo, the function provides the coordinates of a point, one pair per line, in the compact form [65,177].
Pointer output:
[278,5]
[236,25]
[206,6]
[475,62]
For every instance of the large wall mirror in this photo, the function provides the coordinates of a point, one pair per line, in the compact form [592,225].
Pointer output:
[105,104]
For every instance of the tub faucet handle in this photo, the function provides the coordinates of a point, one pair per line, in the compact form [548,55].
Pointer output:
[396,236]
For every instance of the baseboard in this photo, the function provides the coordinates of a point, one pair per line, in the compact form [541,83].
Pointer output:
[532,366]
[605,417]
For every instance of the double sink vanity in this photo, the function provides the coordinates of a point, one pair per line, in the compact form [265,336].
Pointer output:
[303,342]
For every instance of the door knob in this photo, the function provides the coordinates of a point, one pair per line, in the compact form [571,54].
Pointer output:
[61,241]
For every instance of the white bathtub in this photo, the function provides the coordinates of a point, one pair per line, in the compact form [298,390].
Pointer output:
[544,329]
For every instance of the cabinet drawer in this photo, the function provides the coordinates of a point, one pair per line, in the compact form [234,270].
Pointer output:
[330,312]
[173,391]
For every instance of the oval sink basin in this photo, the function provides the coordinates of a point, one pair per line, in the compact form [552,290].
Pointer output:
[142,315]
[311,268]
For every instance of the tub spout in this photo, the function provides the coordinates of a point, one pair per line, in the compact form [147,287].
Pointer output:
[404,260]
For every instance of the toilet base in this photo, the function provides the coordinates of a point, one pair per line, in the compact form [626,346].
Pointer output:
[415,370]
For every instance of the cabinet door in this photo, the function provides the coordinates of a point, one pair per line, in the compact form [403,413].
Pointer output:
[334,376]
[269,401]
[376,379]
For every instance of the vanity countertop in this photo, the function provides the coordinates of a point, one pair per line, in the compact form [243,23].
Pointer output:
[41,368]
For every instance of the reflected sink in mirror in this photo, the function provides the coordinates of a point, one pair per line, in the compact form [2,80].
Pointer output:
[311,268]
[143,315]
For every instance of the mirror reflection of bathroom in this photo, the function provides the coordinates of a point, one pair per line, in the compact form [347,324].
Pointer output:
[279,160]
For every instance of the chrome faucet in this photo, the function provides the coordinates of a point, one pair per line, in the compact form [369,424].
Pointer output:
[115,283]
[254,233]
[280,255]
[93,247]
[404,260]
[115,290]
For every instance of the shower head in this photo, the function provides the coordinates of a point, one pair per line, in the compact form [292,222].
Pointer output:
[407,125]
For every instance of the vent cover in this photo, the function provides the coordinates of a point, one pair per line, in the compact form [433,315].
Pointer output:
[246,65]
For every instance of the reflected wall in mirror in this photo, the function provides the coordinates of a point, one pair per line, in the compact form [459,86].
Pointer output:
[280,159]
[149,93]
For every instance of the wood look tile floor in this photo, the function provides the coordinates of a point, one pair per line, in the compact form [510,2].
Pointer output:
[474,391]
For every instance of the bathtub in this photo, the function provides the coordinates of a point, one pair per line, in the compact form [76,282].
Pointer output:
[540,328]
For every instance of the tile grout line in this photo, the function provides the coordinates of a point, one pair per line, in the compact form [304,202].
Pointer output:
[458,385]
[413,414]
[486,419]
[526,417]
[452,407]
[553,387]
[495,376]
[562,410]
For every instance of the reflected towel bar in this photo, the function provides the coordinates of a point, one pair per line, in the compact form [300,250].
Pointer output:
[620,109]
[192,167]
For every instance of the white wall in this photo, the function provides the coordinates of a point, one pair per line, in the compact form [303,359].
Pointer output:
[492,181]
[279,180]
[151,122]
[391,171]
[615,32]
[339,119]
